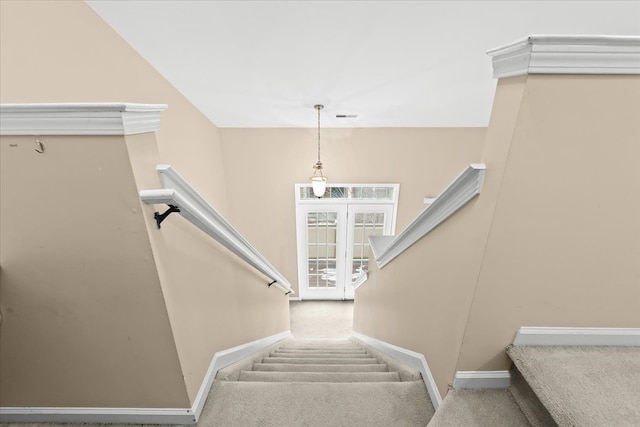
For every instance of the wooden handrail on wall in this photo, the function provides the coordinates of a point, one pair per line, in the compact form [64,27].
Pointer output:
[182,198]
[464,188]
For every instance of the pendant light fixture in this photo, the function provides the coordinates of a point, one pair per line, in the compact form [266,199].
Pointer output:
[318,180]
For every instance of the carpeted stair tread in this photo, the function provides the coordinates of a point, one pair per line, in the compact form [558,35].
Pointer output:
[300,367]
[329,345]
[530,405]
[320,355]
[320,350]
[330,377]
[318,361]
[583,386]
[318,404]
[320,347]
[478,408]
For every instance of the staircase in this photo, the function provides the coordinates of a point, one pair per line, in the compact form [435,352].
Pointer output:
[317,383]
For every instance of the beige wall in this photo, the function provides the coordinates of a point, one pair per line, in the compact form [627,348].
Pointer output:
[84,319]
[421,300]
[423,161]
[564,243]
[553,239]
[63,52]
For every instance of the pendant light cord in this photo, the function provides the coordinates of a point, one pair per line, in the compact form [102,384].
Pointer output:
[319,107]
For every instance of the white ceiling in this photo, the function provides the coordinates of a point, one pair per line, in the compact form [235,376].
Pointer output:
[393,63]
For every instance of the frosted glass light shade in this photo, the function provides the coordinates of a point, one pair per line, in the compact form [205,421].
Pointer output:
[319,185]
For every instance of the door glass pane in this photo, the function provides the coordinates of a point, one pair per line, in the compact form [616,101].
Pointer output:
[366,224]
[321,249]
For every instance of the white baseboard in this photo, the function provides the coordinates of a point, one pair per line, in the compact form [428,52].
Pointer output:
[410,358]
[220,360]
[225,358]
[295,299]
[625,337]
[481,379]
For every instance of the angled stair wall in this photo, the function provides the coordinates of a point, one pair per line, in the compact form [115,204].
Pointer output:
[552,238]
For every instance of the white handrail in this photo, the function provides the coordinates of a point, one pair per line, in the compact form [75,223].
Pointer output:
[360,280]
[177,192]
[464,188]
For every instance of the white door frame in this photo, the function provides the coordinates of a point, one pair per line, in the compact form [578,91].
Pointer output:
[304,206]
[352,210]
[304,291]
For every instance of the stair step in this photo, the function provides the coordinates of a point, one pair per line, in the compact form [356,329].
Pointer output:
[320,347]
[301,367]
[320,350]
[529,404]
[317,361]
[397,404]
[329,377]
[320,355]
[479,408]
[583,385]
[317,344]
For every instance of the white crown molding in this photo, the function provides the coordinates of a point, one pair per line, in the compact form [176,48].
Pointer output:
[622,337]
[481,379]
[110,118]
[410,358]
[191,415]
[565,54]
[460,192]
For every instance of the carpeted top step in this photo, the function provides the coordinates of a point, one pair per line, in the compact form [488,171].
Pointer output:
[583,385]
[398,404]
[316,361]
[478,408]
[302,367]
[329,377]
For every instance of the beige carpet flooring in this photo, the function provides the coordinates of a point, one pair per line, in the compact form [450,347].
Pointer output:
[321,319]
[584,386]
[479,408]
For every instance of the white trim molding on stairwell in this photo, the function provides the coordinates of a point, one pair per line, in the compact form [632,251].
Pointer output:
[410,358]
[178,193]
[465,187]
[191,415]
[106,118]
[477,380]
[576,336]
[567,54]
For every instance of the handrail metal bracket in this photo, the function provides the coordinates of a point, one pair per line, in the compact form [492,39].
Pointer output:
[269,285]
[159,217]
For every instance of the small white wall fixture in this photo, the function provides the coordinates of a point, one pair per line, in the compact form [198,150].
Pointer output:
[107,118]
[464,188]
[567,54]
[191,415]
[192,206]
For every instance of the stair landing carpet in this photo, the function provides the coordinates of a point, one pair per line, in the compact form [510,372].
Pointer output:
[317,383]
[583,386]
[479,408]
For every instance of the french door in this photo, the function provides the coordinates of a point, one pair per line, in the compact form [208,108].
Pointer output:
[333,244]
